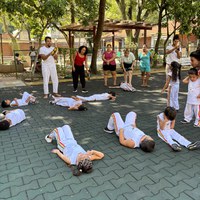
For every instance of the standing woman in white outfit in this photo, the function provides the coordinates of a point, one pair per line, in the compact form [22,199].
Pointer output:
[173,53]
[48,55]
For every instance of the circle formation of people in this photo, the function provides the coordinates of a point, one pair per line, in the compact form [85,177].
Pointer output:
[129,135]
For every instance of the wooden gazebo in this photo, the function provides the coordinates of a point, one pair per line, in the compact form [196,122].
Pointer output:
[109,26]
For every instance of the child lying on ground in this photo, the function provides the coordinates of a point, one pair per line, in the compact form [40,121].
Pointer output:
[129,135]
[11,118]
[71,152]
[26,99]
[72,103]
[98,97]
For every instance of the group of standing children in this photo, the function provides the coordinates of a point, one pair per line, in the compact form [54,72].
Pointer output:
[193,97]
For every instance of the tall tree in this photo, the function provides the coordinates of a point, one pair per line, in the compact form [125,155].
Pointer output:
[97,36]
[38,15]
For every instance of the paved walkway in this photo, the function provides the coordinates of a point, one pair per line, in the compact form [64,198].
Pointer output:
[28,170]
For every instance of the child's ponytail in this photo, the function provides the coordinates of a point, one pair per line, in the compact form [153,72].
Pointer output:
[176,71]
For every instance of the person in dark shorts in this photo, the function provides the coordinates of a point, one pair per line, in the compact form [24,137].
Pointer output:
[109,64]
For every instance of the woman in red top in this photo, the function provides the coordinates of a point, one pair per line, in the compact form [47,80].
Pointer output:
[109,64]
[78,68]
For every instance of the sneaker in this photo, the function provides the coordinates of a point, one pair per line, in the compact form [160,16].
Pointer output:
[75,90]
[48,139]
[133,89]
[194,145]
[2,116]
[51,102]
[84,91]
[176,147]
[184,122]
[196,126]
[108,131]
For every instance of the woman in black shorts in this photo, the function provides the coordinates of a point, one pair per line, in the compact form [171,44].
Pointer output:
[109,64]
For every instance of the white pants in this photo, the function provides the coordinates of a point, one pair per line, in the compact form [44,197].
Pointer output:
[90,98]
[191,110]
[62,135]
[172,137]
[174,90]
[116,123]
[47,71]
[25,97]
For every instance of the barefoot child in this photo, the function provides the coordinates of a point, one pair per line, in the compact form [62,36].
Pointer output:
[98,97]
[26,99]
[73,103]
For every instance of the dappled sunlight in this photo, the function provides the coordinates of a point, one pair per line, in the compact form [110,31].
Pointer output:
[95,103]
[57,117]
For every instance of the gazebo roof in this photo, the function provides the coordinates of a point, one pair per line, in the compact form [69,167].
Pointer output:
[109,26]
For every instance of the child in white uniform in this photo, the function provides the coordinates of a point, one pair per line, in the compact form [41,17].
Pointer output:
[193,98]
[72,152]
[99,97]
[172,83]
[12,118]
[129,135]
[165,130]
[72,103]
[24,101]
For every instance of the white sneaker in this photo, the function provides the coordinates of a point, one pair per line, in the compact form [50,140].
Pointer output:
[48,139]
[2,116]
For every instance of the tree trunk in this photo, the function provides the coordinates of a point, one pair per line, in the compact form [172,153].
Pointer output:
[122,7]
[15,45]
[72,12]
[98,34]
[160,16]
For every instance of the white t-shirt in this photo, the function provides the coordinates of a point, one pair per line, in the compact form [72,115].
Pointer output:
[16,116]
[129,59]
[134,134]
[167,125]
[172,56]
[177,82]
[21,102]
[193,92]
[45,50]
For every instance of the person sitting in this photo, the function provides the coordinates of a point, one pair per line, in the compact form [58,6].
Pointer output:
[165,130]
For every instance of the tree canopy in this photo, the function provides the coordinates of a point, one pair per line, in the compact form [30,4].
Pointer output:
[36,16]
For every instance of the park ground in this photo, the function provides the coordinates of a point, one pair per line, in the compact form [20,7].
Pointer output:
[29,171]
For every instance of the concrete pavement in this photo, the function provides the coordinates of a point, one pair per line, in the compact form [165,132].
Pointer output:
[28,169]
